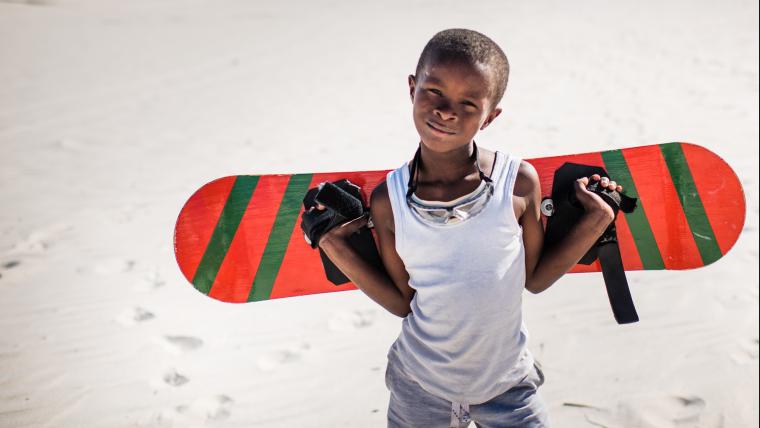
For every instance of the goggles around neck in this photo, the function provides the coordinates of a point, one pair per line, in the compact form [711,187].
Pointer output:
[444,215]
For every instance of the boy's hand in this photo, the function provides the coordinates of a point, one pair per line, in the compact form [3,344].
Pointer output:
[591,202]
[343,231]
[328,206]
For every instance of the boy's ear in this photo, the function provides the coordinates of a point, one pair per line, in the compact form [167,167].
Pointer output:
[491,116]
[412,84]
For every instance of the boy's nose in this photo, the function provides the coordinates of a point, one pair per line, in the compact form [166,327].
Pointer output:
[444,111]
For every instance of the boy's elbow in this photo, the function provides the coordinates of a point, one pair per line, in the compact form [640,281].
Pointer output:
[403,314]
[533,290]
[533,287]
[404,308]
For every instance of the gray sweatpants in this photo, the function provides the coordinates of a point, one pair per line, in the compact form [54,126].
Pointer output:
[411,406]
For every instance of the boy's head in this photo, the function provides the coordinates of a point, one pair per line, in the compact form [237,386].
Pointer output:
[460,78]
[469,47]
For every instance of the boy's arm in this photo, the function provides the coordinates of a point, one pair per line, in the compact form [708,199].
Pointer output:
[389,288]
[544,269]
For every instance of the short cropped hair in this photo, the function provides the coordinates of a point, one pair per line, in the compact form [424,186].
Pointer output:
[471,47]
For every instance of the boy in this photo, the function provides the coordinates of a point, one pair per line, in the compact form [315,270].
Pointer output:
[460,234]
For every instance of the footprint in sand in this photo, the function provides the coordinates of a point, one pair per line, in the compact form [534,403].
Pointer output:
[36,243]
[150,281]
[214,408]
[274,359]
[173,378]
[39,241]
[11,264]
[675,410]
[200,412]
[747,352]
[113,265]
[354,320]
[181,344]
[134,316]
[689,410]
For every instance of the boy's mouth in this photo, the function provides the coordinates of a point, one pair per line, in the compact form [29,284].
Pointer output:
[439,128]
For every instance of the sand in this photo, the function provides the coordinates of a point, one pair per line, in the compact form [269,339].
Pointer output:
[113,113]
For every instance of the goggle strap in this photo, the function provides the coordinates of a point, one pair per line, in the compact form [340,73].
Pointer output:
[413,178]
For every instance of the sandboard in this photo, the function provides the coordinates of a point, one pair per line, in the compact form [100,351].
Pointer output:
[237,238]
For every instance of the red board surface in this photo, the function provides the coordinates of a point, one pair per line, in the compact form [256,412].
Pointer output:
[233,255]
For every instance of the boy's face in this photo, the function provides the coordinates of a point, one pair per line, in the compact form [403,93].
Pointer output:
[452,101]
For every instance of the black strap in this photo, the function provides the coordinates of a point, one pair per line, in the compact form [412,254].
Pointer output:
[616,283]
[364,243]
[343,202]
[566,213]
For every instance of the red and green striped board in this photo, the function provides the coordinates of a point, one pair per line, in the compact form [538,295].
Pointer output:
[237,238]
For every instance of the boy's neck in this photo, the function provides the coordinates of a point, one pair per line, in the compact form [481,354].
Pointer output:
[448,167]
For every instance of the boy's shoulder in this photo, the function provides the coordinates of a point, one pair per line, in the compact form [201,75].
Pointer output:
[380,206]
[380,193]
[527,182]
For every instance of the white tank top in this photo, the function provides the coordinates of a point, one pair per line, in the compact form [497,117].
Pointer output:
[464,340]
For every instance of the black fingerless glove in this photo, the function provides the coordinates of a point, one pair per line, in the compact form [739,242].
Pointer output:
[616,200]
[342,201]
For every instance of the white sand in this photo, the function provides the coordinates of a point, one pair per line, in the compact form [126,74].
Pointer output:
[112,113]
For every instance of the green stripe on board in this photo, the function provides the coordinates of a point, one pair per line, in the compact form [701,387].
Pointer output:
[703,234]
[224,232]
[638,222]
[279,238]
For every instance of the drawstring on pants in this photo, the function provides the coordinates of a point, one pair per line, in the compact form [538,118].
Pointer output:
[460,413]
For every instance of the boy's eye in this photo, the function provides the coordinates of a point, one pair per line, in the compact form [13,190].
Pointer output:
[436,92]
